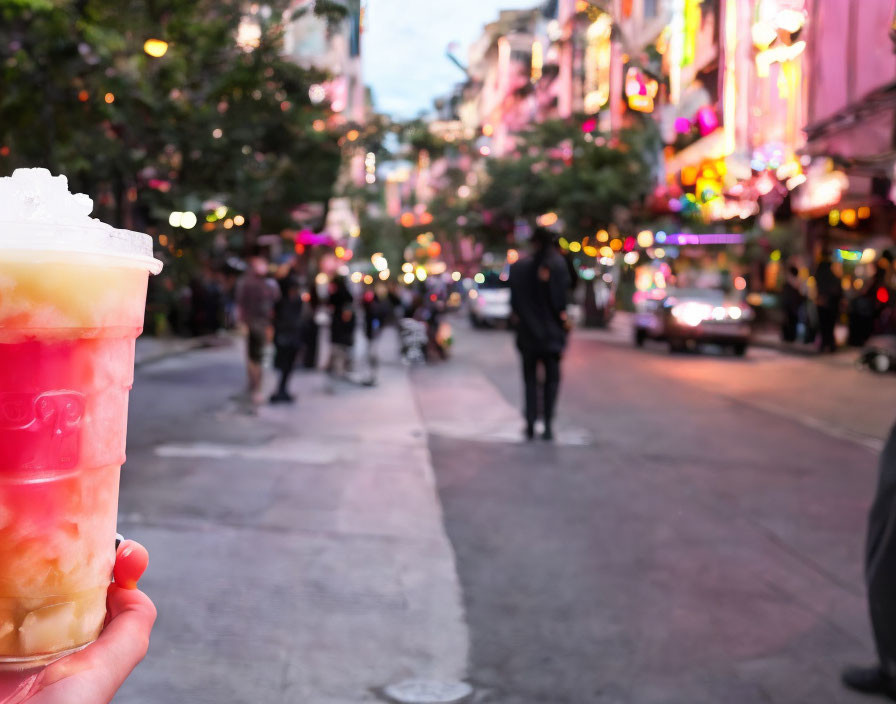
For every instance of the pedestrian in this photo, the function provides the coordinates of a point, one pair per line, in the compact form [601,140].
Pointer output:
[792,301]
[880,292]
[829,293]
[431,312]
[288,329]
[376,311]
[311,326]
[255,298]
[880,577]
[393,298]
[539,285]
[342,327]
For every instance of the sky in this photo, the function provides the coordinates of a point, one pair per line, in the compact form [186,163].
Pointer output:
[403,54]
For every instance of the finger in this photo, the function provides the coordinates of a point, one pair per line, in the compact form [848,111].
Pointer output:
[131,560]
[120,647]
[104,665]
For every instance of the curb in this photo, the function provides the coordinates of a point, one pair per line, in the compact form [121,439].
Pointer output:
[189,345]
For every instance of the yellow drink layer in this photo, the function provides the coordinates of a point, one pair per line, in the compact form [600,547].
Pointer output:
[43,291]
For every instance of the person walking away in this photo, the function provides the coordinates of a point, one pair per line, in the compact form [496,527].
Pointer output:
[255,298]
[342,327]
[539,285]
[311,326]
[435,347]
[792,300]
[376,311]
[829,293]
[882,295]
[288,329]
[880,577]
[393,299]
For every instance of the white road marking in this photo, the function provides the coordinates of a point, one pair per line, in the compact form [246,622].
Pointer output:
[306,451]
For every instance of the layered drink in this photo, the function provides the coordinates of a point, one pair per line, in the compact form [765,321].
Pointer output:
[72,296]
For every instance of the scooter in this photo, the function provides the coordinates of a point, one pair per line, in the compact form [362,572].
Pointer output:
[414,339]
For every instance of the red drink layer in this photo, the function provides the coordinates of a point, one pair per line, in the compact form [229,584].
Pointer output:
[67,331]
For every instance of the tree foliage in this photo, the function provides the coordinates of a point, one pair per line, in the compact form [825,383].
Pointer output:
[589,179]
[145,136]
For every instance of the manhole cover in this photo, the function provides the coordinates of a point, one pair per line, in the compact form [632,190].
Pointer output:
[428,692]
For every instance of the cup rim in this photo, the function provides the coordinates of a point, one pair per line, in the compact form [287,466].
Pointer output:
[102,240]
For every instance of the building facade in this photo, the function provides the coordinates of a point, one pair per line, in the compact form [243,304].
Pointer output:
[849,128]
[777,117]
[334,49]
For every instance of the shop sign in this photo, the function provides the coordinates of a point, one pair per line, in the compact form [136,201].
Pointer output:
[598,57]
[822,190]
[640,90]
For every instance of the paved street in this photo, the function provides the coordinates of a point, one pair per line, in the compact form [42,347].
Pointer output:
[694,535]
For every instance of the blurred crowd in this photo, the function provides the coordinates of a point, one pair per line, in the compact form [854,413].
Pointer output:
[813,305]
[305,317]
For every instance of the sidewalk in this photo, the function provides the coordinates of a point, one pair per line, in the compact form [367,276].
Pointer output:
[297,556]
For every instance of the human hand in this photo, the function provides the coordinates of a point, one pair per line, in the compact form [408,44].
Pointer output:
[94,675]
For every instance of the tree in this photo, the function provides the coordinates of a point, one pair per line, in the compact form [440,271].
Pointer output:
[589,179]
[208,121]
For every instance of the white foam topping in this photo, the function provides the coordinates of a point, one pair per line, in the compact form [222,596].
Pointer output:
[37,212]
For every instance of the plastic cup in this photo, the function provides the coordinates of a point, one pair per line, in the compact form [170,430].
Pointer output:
[71,307]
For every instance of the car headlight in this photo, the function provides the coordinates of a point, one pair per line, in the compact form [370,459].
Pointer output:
[692,313]
[735,312]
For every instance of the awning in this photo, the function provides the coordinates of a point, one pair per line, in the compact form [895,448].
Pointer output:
[860,138]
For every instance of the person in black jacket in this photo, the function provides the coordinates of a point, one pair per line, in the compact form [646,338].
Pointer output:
[829,294]
[342,327]
[792,302]
[376,310]
[880,577]
[287,334]
[539,285]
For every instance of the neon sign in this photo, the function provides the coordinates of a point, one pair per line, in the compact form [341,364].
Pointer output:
[685,238]
[598,57]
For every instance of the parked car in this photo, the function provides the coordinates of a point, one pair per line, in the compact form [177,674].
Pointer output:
[692,316]
[490,301]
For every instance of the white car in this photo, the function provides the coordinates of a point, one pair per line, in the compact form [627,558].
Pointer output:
[490,302]
[682,316]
